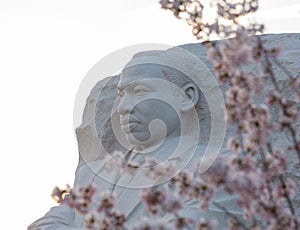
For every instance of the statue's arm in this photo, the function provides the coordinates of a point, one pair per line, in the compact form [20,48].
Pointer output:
[223,200]
[58,218]
[192,211]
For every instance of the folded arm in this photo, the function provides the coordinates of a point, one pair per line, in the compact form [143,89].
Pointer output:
[58,218]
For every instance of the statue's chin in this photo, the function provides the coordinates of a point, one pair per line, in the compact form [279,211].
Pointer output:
[138,138]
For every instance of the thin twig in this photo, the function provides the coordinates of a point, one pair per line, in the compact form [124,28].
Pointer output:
[283,185]
[268,67]
[295,141]
[283,68]
[229,214]
[265,168]
[288,199]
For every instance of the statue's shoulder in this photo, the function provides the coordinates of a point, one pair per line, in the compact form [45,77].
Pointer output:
[203,152]
[87,171]
[220,150]
[91,166]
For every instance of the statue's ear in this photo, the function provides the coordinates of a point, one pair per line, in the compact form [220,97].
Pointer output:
[191,96]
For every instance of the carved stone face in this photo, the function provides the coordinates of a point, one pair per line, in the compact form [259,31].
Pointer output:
[148,106]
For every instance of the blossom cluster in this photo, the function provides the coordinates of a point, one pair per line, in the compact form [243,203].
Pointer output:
[226,16]
[96,207]
[255,171]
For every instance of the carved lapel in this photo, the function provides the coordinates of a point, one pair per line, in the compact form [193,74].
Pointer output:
[129,187]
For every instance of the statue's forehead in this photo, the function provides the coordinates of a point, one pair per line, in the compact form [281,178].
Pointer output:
[140,73]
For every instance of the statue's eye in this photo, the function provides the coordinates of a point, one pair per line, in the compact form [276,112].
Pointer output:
[141,90]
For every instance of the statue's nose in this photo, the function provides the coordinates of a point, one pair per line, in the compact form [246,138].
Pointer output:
[124,106]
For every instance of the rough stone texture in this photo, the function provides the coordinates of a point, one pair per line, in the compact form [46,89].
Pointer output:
[96,126]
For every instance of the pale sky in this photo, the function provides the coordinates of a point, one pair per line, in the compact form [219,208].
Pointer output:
[46,48]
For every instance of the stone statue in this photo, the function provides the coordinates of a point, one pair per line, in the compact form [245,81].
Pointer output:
[158,108]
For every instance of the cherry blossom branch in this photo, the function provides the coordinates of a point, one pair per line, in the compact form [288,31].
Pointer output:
[269,70]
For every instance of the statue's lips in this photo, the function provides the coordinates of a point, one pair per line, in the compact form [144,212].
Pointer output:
[128,124]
